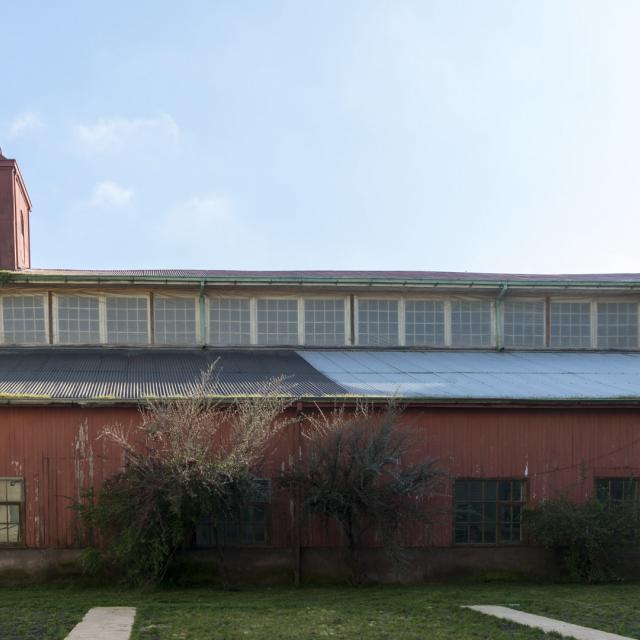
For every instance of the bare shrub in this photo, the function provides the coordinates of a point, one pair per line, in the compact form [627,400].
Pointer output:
[355,471]
[188,458]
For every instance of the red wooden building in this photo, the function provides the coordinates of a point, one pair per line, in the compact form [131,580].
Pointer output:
[521,386]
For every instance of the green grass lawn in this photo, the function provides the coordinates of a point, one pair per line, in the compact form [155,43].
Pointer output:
[425,612]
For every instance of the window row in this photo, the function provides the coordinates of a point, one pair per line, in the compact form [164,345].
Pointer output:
[490,511]
[377,322]
[486,511]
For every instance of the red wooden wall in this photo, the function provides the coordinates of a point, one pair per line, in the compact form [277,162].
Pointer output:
[58,452]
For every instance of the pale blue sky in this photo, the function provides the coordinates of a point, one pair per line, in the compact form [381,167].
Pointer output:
[479,136]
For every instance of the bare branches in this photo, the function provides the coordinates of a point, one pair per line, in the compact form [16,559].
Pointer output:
[188,458]
[356,471]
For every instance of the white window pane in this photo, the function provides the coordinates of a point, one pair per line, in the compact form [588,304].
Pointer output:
[617,325]
[229,321]
[23,319]
[471,323]
[13,491]
[277,321]
[523,324]
[570,325]
[127,320]
[324,322]
[424,323]
[378,323]
[175,320]
[78,320]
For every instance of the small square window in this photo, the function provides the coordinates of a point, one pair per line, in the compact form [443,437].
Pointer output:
[488,511]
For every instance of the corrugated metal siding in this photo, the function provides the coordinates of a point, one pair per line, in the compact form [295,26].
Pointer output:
[58,452]
[475,375]
[133,374]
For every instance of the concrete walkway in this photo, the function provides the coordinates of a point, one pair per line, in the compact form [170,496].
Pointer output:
[104,623]
[546,624]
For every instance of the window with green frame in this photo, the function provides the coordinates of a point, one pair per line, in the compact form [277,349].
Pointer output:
[488,511]
[11,511]
[250,528]
[617,490]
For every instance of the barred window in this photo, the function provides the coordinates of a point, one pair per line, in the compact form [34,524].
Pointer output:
[277,321]
[570,324]
[618,490]
[78,319]
[324,321]
[249,528]
[523,324]
[617,325]
[229,321]
[471,323]
[175,320]
[127,320]
[488,511]
[11,501]
[378,323]
[23,320]
[424,323]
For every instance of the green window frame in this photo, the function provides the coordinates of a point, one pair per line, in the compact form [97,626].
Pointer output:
[249,529]
[11,512]
[488,511]
[617,490]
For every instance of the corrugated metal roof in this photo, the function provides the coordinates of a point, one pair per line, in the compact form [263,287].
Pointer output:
[70,374]
[401,276]
[99,374]
[482,376]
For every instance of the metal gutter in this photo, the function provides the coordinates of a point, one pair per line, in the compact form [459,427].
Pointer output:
[7,277]
[407,402]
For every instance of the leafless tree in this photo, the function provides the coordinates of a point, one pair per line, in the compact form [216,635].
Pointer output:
[355,471]
[189,457]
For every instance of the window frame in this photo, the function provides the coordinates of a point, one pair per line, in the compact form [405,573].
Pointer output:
[198,328]
[635,499]
[400,334]
[21,294]
[523,502]
[266,504]
[102,317]
[521,300]
[347,321]
[300,321]
[594,319]
[21,542]
[207,306]
[492,322]
[56,320]
[446,319]
[147,298]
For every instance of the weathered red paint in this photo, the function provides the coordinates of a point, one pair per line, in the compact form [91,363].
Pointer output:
[15,206]
[57,450]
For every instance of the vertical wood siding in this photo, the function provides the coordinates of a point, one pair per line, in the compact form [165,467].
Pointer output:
[58,452]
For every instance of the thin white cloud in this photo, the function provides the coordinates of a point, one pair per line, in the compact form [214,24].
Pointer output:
[24,123]
[110,133]
[111,194]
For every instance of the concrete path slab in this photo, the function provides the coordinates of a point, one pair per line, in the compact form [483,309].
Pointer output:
[546,624]
[104,623]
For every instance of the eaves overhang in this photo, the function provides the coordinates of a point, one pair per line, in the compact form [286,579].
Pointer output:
[398,280]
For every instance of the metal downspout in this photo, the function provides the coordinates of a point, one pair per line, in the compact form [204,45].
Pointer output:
[202,310]
[498,317]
